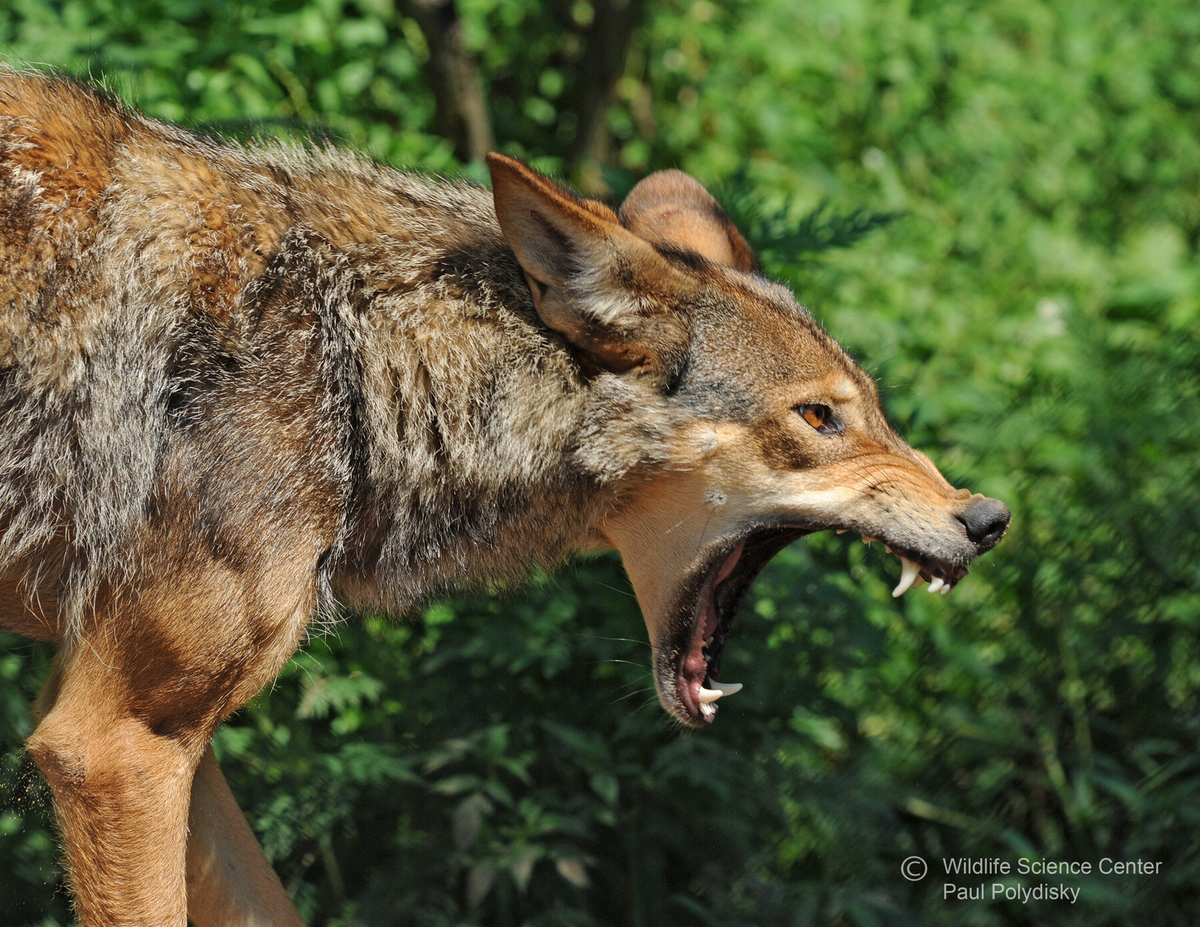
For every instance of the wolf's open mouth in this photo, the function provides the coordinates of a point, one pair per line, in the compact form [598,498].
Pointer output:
[718,591]
[724,582]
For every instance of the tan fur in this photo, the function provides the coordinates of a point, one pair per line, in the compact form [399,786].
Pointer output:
[239,387]
[229,880]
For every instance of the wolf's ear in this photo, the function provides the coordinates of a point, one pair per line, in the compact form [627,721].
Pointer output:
[593,281]
[673,208]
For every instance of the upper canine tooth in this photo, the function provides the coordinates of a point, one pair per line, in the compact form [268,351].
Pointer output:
[936,583]
[842,530]
[908,574]
[867,540]
[720,688]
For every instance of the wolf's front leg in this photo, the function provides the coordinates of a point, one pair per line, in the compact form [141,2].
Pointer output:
[230,882]
[121,794]
[137,694]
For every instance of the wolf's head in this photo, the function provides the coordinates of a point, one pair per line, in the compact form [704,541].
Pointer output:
[773,431]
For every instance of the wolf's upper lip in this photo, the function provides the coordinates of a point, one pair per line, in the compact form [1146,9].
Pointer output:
[941,575]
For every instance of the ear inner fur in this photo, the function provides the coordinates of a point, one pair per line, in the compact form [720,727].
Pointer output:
[592,280]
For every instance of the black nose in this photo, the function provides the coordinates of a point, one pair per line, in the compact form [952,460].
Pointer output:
[986,521]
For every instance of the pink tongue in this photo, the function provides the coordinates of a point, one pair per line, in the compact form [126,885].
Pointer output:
[694,667]
[728,565]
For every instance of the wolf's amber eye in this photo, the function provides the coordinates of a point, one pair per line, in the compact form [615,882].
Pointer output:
[821,418]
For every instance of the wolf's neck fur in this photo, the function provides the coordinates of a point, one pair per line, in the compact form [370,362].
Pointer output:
[473,412]
[460,415]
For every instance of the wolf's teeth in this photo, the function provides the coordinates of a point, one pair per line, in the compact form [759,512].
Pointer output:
[842,530]
[908,575]
[720,688]
[867,540]
[936,583]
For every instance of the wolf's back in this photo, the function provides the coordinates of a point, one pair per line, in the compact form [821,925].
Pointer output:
[80,352]
[126,247]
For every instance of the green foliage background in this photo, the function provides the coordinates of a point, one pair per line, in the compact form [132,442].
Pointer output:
[1033,316]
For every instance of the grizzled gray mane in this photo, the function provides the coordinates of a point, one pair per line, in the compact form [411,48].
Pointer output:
[272,332]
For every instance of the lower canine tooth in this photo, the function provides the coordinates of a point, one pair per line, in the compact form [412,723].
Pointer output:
[936,583]
[908,574]
[711,695]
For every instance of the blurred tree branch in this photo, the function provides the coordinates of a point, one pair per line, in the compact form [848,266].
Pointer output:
[598,70]
[458,87]
[462,113]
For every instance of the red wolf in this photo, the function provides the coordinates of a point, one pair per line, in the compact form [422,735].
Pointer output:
[238,386]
